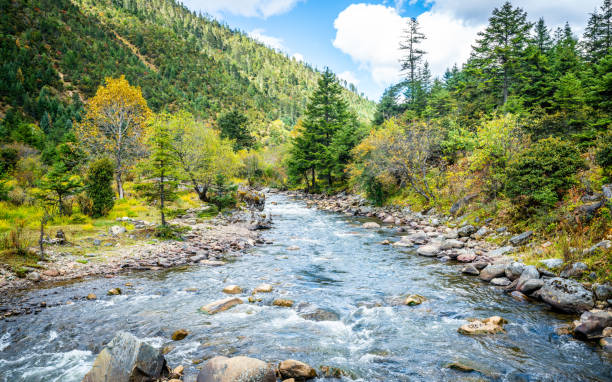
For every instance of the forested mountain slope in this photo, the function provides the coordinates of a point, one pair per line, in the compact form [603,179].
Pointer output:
[57,52]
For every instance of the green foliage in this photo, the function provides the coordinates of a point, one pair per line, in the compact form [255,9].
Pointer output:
[542,174]
[603,155]
[223,193]
[233,126]
[170,232]
[63,178]
[98,186]
[325,136]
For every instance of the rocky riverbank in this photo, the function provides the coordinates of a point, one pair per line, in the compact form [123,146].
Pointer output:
[452,239]
[206,242]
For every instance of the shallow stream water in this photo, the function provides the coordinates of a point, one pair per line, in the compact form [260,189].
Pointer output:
[340,267]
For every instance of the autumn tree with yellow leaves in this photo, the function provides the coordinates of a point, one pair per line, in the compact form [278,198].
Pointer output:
[114,125]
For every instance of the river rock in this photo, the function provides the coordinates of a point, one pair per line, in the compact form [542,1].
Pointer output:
[470,270]
[521,238]
[236,369]
[492,271]
[293,248]
[221,305]
[33,276]
[117,230]
[295,369]
[606,344]
[414,299]
[574,270]
[283,302]
[389,220]
[114,292]
[263,288]
[603,292]
[552,263]
[592,324]
[232,289]
[51,272]
[127,359]
[179,335]
[452,243]
[212,263]
[566,295]
[429,250]
[466,257]
[514,270]
[518,296]
[530,272]
[501,281]
[91,297]
[501,251]
[466,230]
[531,285]
[371,225]
[321,315]
[481,233]
[489,325]
[601,246]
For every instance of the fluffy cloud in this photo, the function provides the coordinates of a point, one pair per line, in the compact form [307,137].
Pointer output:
[298,57]
[272,42]
[349,77]
[370,34]
[248,8]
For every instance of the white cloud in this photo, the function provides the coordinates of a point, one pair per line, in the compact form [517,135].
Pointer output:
[349,77]
[272,42]
[247,8]
[370,34]
[298,57]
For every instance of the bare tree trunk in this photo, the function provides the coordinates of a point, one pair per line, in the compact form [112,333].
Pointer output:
[119,186]
[313,179]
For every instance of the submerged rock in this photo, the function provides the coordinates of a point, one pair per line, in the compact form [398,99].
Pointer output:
[221,305]
[263,288]
[371,225]
[179,335]
[295,369]
[470,270]
[566,295]
[489,325]
[127,359]
[283,302]
[236,369]
[321,315]
[232,289]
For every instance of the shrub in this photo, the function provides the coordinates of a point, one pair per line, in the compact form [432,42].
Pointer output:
[603,156]
[224,193]
[17,196]
[99,186]
[540,175]
[16,239]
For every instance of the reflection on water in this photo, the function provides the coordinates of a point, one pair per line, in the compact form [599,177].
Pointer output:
[340,268]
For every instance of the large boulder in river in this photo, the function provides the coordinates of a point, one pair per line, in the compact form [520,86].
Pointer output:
[236,369]
[529,273]
[127,359]
[492,271]
[566,295]
[295,369]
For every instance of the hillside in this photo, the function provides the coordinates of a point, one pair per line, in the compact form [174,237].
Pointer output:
[54,50]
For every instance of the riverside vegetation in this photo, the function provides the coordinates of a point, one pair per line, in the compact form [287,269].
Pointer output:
[128,123]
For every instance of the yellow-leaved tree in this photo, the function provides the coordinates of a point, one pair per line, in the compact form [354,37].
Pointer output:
[114,125]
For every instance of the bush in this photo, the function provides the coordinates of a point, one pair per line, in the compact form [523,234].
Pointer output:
[543,173]
[16,239]
[99,187]
[603,156]
[224,193]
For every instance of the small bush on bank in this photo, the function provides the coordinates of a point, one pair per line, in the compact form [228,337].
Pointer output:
[99,188]
[542,174]
[170,232]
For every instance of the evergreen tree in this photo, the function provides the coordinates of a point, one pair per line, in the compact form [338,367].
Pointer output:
[499,50]
[233,126]
[313,151]
[63,179]
[597,41]
[410,63]
[99,186]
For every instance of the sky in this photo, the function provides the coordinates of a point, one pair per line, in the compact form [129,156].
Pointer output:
[359,40]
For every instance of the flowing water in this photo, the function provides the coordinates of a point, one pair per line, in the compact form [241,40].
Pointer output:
[340,267]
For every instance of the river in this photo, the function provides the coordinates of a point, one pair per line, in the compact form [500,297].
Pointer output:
[340,267]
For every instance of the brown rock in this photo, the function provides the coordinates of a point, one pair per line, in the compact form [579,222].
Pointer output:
[51,272]
[295,369]
[114,292]
[223,369]
[283,302]
[179,335]
[92,296]
[489,325]
[263,288]
[221,305]
[232,289]
[414,299]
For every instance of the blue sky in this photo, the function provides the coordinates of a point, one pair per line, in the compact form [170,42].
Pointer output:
[359,40]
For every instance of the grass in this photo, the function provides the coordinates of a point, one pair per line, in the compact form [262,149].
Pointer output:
[80,230]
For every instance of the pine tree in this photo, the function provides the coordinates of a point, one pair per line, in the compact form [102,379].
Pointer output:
[499,50]
[597,41]
[233,126]
[410,63]
[326,114]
